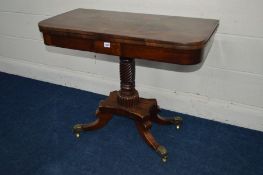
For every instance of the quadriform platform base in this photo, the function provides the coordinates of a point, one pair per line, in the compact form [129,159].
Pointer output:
[127,102]
[169,39]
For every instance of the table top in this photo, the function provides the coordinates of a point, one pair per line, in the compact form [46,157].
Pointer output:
[131,32]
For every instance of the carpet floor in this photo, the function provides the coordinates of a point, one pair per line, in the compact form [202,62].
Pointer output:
[36,120]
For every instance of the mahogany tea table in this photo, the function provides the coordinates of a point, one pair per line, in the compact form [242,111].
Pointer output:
[169,39]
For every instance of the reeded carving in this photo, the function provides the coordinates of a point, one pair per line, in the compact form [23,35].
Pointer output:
[128,96]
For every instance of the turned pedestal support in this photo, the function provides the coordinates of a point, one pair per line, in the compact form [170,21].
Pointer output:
[128,96]
[126,102]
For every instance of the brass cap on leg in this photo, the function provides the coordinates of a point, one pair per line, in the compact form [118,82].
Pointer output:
[77,128]
[177,121]
[162,151]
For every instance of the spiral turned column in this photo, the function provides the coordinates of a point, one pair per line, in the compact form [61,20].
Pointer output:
[127,96]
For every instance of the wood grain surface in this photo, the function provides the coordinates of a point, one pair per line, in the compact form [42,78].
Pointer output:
[171,39]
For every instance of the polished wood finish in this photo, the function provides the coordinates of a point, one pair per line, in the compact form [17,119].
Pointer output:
[169,39]
[102,120]
[141,112]
[161,38]
[127,96]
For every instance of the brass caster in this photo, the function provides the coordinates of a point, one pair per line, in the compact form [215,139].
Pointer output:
[177,121]
[163,153]
[77,128]
[164,159]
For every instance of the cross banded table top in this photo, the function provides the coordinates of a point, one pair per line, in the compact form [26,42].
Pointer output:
[173,39]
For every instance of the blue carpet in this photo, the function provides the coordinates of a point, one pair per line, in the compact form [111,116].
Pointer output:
[36,120]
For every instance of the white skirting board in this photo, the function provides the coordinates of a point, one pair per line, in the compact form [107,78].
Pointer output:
[196,105]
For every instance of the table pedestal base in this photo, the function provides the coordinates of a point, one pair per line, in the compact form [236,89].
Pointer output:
[144,113]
